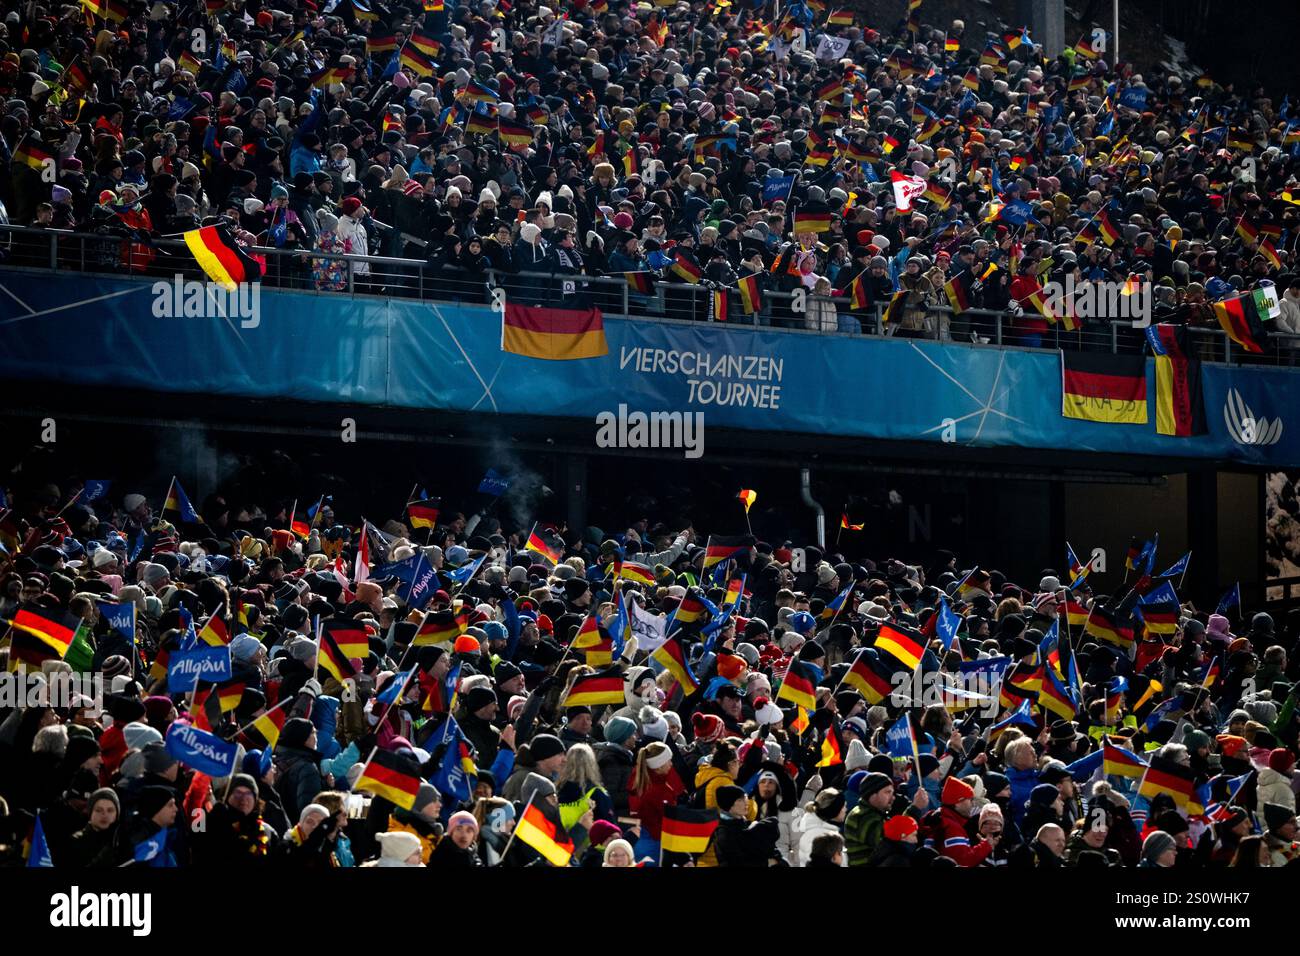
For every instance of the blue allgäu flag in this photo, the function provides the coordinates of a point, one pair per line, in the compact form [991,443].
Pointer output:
[39,857]
[899,739]
[462,575]
[1179,566]
[1135,98]
[393,688]
[156,850]
[494,483]
[120,617]
[1230,600]
[451,776]
[947,624]
[1085,767]
[417,592]
[95,488]
[1018,212]
[200,750]
[776,187]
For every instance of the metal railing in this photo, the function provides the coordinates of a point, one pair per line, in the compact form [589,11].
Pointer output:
[389,277]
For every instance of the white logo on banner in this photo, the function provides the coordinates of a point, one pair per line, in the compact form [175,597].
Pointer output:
[1244,427]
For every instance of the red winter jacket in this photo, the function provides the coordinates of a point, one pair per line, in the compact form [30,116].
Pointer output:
[954,841]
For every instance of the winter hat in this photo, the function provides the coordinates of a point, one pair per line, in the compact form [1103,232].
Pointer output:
[397,845]
[766,712]
[619,730]
[157,759]
[1230,744]
[1155,844]
[296,732]
[1281,760]
[153,799]
[955,790]
[544,746]
[462,818]
[139,735]
[857,758]
[873,783]
[899,827]
[653,725]
[707,727]
[105,793]
[535,787]
[829,803]
[602,831]
[1277,816]
[426,796]
[727,795]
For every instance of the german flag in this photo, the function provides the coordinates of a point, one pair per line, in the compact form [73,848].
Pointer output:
[415,61]
[1240,139]
[51,625]
[870,677]
[951,45]
[332,660]
[424,513]
[631,164]
[848,525]
[597,146]
[476,92]
[1166,776]
[350,636]
[691,610]
[553,334]
[955,290]
[1213,671]
[1098,387]
[751,299]
[797,686]
[1104,625]
[840,18]
[602,687]
[221,258]
[935,193]
[394,778]
[1180,409]
[545,543]
[216,632]
[1118,762]
[971,80]
[718,303]
[434,6]
[77,79]
[1115,702]
[1079,81]
[31,153]
[270,724]
[809,220]
[858,293]
[1088,234]
[641,573]
[721,548]
[441,627]
[541,829]
[1269,251]
[641,282]
[480,124]
[686,270]
[1106,229]
[686,830]
[229,695]
[672,656]
[894,311]
[1240,320]
[425,44]
[596,645]
[30,651]
[514,135]
[905,645]
[832,753]
[384,43]
[1055,697]
[1076,615]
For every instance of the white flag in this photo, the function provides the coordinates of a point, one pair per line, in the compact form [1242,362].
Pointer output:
[648,628]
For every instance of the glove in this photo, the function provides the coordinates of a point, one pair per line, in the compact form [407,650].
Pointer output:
[311,688]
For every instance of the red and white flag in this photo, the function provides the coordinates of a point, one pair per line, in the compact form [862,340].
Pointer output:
[906,188]
[362,572]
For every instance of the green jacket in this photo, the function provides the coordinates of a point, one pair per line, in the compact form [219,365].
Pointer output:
[864,828]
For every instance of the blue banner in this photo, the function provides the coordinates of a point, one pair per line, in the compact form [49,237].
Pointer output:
[120,617]
[200,750]
[494,483]
[448,357]
[186,668]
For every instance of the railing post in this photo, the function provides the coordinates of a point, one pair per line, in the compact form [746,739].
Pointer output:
[627,303]
[997,328]
[1114,339]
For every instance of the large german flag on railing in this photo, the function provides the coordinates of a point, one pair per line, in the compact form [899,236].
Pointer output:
[1239,317]
[1180,409]
[1098,387]
[557,334]
[221,258]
